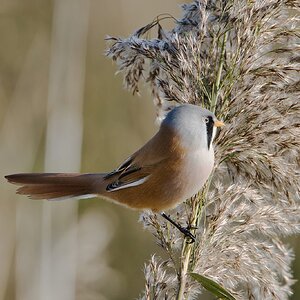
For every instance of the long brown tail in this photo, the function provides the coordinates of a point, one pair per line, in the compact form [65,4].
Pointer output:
[56,185]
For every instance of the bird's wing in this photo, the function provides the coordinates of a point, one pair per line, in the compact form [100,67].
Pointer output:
[131,176]
[128,174]
[140,166]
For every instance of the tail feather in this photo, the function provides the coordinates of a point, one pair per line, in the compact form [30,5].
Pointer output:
[56,185]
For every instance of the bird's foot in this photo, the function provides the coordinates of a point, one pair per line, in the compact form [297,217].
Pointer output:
[188,234]
[184,230]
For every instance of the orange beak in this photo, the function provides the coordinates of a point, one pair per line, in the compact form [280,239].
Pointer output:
[218,123]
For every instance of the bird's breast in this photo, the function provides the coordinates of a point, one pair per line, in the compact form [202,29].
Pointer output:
[197,167]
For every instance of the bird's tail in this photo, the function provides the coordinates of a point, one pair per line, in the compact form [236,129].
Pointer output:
[57,186]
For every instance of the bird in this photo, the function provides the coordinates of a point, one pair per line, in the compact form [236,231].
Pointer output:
[170,168]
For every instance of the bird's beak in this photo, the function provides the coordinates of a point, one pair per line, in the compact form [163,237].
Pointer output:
[218,123]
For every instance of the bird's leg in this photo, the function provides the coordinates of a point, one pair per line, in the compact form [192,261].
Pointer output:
[184,230]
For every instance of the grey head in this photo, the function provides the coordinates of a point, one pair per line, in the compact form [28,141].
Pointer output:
[196,126]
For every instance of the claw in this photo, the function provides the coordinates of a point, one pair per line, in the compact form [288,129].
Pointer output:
[192,227]
[188,234]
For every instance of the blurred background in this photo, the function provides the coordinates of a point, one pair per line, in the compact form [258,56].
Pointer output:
[62,108]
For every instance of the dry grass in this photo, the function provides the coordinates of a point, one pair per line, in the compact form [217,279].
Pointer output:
[241,60]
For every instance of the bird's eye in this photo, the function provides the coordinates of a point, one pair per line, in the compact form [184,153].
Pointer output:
[206,120]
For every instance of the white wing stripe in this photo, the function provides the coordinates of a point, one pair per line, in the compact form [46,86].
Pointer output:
[131,184]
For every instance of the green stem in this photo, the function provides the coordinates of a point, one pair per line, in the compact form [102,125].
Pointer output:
[185,254]
[216,87]
[187,249]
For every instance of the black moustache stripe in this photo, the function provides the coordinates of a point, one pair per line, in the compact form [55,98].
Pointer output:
[209,130]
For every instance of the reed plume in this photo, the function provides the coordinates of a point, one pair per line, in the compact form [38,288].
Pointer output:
[240,59]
